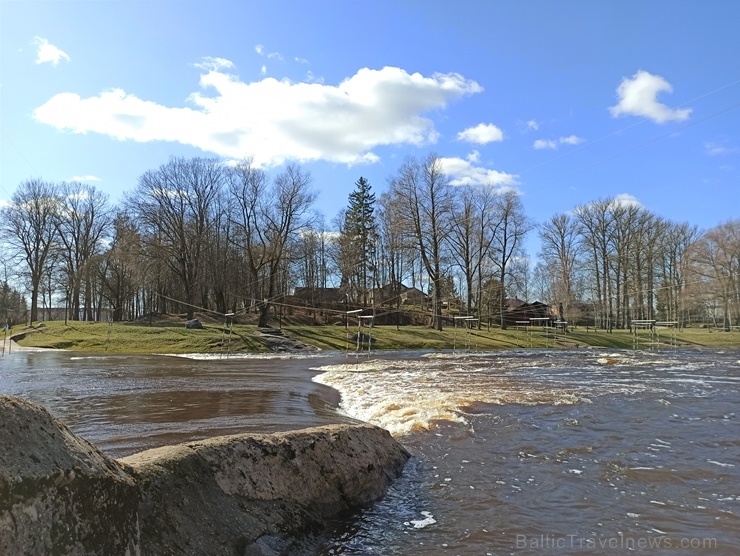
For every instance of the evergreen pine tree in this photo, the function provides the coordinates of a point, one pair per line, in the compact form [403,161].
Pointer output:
[359,241]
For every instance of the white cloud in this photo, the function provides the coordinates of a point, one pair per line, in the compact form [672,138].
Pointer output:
[474,156]
[263,69]
[85,178]
[301,60]
[209,63]
[553,143]
[311,78]
[47,52]
[81,195]
[545,144]
[260,49]
[481,134]
[273,120]
[622,200]
[638,97]
[627,200]
[327,235]
[714,148]
[4,203]
[571,140]
[528,126]
[463,172]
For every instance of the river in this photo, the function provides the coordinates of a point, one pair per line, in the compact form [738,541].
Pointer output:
[582,451]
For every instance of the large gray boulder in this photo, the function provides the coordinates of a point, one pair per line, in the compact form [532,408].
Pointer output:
[255,494]
[58,493]
[259,493]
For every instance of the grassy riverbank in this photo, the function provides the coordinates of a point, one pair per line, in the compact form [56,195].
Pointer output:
[171,336]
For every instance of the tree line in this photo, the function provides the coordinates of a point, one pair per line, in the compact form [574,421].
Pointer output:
[198,235]
[621,262]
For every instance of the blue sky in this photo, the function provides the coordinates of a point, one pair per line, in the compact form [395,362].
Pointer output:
[566,101]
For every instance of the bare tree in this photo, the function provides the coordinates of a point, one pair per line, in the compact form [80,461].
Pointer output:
[475,224]
[12,305]
[397,249]
[595,227]
[422,190]
[635,261]
[248,187]
[508,242]
[625,238]
[676,241]
[542,283]
[29,223]
[288,212]
[561,248]
[267,220]
[119,269]
[311,266]
[715,260]
[222,259]
[174,205]
[344,258]
[83,221]
[519,281]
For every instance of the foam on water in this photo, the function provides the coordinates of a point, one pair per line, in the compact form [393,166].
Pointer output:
[720,463]
[412,395]
[245,356]
[92,357]
[407,395]
[421,523]
[401,401]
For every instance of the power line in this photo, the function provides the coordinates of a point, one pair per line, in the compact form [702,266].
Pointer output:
[653,140]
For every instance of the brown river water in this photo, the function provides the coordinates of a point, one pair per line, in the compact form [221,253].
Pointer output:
[515,452]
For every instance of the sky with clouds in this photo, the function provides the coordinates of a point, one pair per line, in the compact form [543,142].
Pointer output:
[565,102]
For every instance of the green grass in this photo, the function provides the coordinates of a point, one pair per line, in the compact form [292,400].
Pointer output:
[173,337]
[138,338]
[418,337]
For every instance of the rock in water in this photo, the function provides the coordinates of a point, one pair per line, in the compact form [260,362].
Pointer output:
[58,493]
[259,493]
[252,494]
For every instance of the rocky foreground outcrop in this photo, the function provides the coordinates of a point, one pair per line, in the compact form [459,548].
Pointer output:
[58,493]
[243,494]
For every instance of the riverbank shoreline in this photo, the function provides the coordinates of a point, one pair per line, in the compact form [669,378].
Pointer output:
[12,346]
[171,336]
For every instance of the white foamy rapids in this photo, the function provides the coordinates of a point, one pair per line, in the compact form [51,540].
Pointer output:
[411,395]
[400,401]
[242,355]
